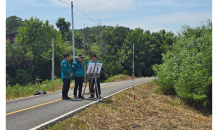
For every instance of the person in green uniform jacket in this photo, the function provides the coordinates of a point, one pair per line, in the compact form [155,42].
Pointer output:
[66,74]
[91,86]
[77,68]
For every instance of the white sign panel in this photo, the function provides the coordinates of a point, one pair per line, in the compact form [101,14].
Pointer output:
[91,65]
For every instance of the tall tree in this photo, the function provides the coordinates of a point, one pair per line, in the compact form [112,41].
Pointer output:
[33,49]
[13,23]
[63,28]
[148,50]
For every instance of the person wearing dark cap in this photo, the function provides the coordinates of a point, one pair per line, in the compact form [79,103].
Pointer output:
[91,86]
[66,74]
[77,68]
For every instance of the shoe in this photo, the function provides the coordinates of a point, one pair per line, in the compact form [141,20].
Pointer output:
[63,98]
[100,97]
[81,97]
[66,98]
[91,97]
[75,97]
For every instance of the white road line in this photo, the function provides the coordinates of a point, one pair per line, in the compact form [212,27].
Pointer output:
[48,122]
[39,126]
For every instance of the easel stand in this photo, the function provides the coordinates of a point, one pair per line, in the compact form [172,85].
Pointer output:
[95,78]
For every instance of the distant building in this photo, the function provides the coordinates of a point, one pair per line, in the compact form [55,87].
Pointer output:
[10,37]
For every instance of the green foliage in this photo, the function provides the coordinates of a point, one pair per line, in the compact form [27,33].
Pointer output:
[33,49]
[22,76]
[30,56]
[148,48]
[187,66]
[64,28]
[110,46]
[13,23]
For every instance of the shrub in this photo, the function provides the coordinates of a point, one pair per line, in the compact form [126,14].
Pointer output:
[187,66]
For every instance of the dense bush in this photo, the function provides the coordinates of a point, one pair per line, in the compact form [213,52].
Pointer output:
[187,66]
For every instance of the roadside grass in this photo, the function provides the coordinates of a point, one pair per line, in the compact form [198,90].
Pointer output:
[151,110]
[18,91]
[119,77]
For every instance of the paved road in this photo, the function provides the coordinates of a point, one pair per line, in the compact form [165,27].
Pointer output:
[30,112]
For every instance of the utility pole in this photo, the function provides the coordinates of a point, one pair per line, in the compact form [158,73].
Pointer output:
[84,53]
[140,72]
[99,21]
[133,76]
[84,41]
[133,60]
[73,32]
[52,58]
[31,64]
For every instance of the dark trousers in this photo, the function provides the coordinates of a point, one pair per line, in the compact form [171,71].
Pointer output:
[78,81]
[66,86]
[92,87]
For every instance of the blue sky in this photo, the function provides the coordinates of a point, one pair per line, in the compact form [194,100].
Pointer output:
[152,15]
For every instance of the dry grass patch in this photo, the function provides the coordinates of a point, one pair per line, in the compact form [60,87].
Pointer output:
[150,111]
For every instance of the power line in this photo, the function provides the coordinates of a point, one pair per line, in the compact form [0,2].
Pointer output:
[85,14]
[64,2]
[79,11]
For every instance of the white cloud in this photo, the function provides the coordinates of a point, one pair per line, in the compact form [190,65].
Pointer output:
[97,9]
[173,21]
[160,2]
[180,18]
[172,3]
[31,2]
[111,10]
[144,25]
[97,5]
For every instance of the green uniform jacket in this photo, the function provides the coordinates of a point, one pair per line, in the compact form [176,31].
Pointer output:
[77,68]
[66,70]
[94,62]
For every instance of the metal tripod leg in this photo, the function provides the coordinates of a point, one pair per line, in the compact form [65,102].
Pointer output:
[97,86]
[91,86]
[86,83]
[97,89]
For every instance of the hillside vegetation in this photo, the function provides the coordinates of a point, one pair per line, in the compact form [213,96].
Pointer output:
[30,57]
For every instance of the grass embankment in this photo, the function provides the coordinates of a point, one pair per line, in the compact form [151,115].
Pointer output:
[120,77]
[18,91]
[151,110]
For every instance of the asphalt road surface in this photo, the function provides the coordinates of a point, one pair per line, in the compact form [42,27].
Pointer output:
[27,113]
